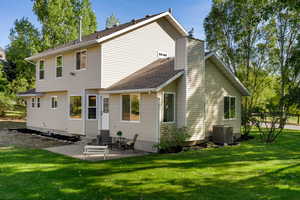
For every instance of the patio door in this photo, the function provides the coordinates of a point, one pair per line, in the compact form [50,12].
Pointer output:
[104,112]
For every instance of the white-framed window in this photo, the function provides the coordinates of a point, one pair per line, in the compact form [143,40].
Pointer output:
[105,105]
[169,107]
[75,107]
[41,69]
[162,54]
[32,102]
[54,102]
[130,107]
[229,107]
[81,59]
[59,66]
[38,102]
[92,107]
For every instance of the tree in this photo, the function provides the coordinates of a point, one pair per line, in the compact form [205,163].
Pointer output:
[285,21]
[24,41]
[60,20]
[235,29]
[111,21]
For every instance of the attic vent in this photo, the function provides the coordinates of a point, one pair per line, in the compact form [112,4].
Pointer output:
[147,16]
[162,54]
[115,25]
[133,20]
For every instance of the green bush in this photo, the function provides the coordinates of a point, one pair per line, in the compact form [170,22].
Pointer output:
[5,104]
[172,139]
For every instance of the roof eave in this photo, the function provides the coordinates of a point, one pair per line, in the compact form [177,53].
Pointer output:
[144,90]
[171,19]
[31,95]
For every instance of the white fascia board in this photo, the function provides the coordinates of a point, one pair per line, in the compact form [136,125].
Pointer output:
[30,95]
[169,81]
[129,91]
[117,33]
[60,50]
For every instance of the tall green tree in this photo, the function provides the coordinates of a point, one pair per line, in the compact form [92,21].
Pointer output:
[235,29]
[24,42]
[112,21]
[60,20]
[285,22]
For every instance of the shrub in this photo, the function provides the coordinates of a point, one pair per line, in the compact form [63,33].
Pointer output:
[5,104]
[172,139]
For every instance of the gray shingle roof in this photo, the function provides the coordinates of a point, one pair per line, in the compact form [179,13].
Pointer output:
[150,77]
[30,92]
[103,33]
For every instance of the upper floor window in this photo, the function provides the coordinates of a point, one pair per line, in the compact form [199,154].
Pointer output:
[131,107]
[59,66]
[54,102]
[81,59]
[169,107]
[42,69]
[229,107]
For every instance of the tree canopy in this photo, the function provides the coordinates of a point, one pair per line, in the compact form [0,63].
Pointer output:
[112,21]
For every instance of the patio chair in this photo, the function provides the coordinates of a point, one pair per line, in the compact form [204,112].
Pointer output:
[130,144]
[105,139]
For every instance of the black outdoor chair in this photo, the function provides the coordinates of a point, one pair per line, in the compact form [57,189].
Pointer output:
[130,144]
[105,139]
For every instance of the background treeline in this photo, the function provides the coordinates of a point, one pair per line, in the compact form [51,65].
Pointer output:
[260,41]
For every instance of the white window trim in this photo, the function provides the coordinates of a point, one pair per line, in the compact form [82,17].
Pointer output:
[163,111]
[39,69]
[82,105]
[62,66]
[51,102]
[88,106]
[229,108]
[75,61]
[121,106]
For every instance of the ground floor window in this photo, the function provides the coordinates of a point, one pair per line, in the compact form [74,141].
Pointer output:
[32,102]
[54,102]
[229,107]
[75,107]
[169,107]
[131,107]
[38,102]
[92,107]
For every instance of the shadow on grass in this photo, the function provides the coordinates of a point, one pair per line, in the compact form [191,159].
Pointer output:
[249,171]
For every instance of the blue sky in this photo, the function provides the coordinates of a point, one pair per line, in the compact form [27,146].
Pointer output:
[190,13]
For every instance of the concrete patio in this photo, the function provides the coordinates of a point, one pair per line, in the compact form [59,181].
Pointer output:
[76,151]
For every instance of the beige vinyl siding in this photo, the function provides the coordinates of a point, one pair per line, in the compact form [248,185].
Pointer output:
[134,50]
[47,118]
[146,128]
[195,89]
[219,86]
[88,78]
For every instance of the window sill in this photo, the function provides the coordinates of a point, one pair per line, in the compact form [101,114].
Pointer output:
[124,121]
[168,122]
[78,70]
[231,119]
[75,119]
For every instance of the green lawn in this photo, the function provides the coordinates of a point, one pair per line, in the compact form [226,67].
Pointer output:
[249,171]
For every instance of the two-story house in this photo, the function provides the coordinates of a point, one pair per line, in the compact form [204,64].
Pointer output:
[136,78]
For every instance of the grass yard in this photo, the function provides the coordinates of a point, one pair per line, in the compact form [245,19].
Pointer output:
[249,171]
